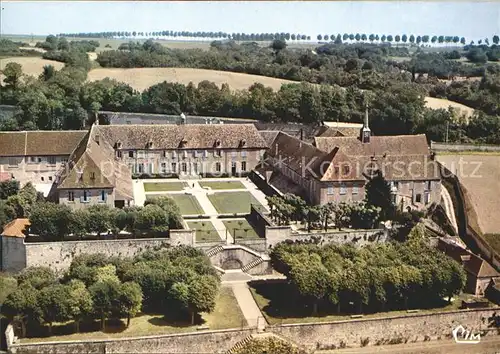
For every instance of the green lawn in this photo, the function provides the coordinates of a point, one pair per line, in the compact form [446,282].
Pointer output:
[226,314]
[223,184]
[205,231]
[164,186]
[241,228]
[187,203]
[233,202]
[279,306]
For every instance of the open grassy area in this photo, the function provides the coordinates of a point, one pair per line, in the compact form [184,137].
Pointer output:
[164,186]
[240,228]
[223,184]
[280,307]
[187,203]
[227,314]
[205,231]
[232,202]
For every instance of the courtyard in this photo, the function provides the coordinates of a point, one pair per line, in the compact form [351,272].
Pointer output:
[203,201]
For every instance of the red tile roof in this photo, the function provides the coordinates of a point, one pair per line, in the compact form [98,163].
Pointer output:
[16,228]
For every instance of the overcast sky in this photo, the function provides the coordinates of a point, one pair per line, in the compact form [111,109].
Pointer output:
[471,19]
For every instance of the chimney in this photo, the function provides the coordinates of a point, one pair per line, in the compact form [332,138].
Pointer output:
[96,119]
[301,134]
[96,138]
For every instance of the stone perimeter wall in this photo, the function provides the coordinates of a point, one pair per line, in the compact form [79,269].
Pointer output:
[58,255]
[277,234]
[402,329]
[200,342]
[350,333]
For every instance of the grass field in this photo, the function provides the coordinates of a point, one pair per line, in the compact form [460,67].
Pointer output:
[164,186]
[187,203]
[31,65]
[241,228]
[142,78]
[232,202]
[480,175]
[219,185]
[439,103]
[227,314]
[271,297]
[205,231]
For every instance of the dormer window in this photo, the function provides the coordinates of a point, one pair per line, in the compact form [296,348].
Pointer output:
[217,142]
[150,144]
[183,143]
[243,142]
[118,145]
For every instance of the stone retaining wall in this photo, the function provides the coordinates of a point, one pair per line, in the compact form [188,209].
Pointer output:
[350,333]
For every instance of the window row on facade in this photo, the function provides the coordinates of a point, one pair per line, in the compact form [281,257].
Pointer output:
[186,167]
[175,154]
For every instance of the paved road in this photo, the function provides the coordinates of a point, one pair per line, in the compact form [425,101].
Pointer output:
[488,345]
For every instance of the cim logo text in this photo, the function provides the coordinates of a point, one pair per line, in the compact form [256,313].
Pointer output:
[464,336]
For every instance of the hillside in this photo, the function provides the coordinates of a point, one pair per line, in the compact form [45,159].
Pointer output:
[480,175]
[142,78]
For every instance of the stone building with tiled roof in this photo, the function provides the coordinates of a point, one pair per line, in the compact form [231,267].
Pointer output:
[336,168]
[101,167]
[36,156]
[480,274]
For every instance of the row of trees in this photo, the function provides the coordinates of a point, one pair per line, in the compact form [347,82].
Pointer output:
[288,208]
[382,277]
[187,34]
[53,222]
[375,38]
[280,35]
[179,281]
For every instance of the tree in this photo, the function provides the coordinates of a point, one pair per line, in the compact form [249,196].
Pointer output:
[496,39]
[404,38]
[8,188]
[278,44]
[48,72]
[54,303]
[79,302]
[462,40]
[320,37]
[21,306]
[312,279]
[129,300]
[196,295]
[13,73]
[103,295]
[50,221]
[476,55]
[378,194]
[37,277]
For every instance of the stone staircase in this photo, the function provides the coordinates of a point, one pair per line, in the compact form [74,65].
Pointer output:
[240,344]
[261,336]
[214,250]
[252,264]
